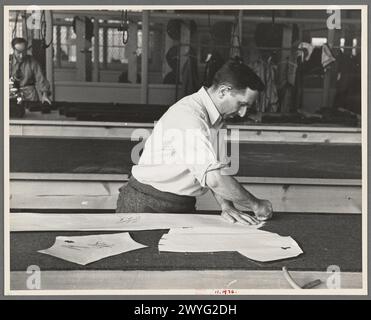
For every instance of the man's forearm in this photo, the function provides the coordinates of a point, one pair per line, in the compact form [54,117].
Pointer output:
[224,204]
[227,188]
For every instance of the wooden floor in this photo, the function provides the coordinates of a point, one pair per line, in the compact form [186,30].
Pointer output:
[186,282]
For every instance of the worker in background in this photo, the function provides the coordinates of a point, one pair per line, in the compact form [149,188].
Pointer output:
[26,71]
[169,175]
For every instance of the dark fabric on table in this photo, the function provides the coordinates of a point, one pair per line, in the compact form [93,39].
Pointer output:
[139,197]
[325,239]
[326,161]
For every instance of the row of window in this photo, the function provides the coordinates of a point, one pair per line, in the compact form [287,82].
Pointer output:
[64,44]
[317,42]
[114,52]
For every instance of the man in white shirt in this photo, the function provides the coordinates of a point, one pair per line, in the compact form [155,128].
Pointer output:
[179,161]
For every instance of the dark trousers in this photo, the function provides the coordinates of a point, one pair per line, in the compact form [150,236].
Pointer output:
[136,197]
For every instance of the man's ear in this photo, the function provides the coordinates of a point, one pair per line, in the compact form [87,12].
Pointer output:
[223,90]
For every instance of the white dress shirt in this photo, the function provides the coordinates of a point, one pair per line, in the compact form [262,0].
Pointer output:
[182,147]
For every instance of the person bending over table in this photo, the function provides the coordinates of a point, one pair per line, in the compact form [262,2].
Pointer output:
[179,161]
[28,73]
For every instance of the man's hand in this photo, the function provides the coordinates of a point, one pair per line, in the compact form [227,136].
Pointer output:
[45,98]
[263,210]
[233,215]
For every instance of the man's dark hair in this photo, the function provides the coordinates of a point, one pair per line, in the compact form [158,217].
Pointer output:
[18,41]
[238,75]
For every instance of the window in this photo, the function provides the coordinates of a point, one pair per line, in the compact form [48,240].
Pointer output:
[64,45]
[68,46]
[17,31]
[354,45]
[318,42]
[100,44]
[115,47]
[113,53]
[342,44]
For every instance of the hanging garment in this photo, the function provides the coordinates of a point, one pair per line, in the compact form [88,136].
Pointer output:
[170,78]
[190,75]
[305,51]
[286,96]
[291,72]
[327,57]
[298,86]
[236,49]
[286,90]
[348,84]
[314,64]
[268,99]
[213,63]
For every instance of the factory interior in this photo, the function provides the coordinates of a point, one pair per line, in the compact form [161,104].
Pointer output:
[105,78]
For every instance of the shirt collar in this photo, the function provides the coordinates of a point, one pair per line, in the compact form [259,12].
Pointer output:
[212,111]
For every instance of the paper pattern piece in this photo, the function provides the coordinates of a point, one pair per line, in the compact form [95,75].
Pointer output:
[283,248]
[255,244]
[23,221]
[86,249]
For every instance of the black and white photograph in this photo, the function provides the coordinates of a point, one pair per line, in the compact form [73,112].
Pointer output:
[193,150]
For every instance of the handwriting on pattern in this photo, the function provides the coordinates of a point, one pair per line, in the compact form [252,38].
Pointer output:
[74,247]
[94,245]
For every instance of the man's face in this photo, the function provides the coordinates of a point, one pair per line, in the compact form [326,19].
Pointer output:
[20,51]
[237,102]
